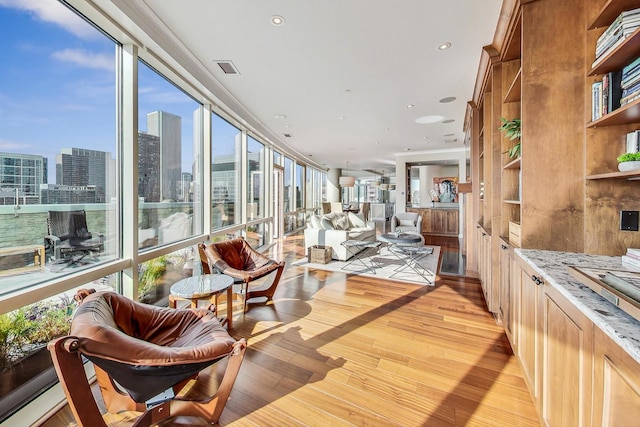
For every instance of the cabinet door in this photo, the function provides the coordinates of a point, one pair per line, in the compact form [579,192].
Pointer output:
[504,304]
[567,363]
[529,292]
[514,302]
[486,261]
[616,384]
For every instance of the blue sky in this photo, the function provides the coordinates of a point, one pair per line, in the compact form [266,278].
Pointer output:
[57,85]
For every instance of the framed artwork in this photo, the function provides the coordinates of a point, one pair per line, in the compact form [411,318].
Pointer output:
[445,189]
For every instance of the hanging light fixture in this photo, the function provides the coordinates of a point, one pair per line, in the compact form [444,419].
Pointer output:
[347,181]
[384,185]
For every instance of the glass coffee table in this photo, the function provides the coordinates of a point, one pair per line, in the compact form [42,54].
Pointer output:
[204,287]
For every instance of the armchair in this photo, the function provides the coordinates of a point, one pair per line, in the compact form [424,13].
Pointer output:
[147,359]
[68,236]
[236,258]
[406,222]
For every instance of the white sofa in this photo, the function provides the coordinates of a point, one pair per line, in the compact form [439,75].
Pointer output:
[334,228]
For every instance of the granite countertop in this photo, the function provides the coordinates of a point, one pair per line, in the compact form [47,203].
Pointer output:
[552,266]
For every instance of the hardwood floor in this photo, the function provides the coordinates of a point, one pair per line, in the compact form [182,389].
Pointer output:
[337,349]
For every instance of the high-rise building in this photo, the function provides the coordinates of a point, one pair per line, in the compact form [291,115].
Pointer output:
[149,167]
[21,176]
[185,193]
[80,167]
[168,127]
[67,194]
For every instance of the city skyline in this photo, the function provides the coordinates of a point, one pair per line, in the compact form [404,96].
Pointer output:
[59,86]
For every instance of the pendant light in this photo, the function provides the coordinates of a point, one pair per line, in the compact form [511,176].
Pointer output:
[347,181]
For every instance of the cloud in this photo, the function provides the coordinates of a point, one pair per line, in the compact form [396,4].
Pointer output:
[54,12]
[85,59]
[12,145]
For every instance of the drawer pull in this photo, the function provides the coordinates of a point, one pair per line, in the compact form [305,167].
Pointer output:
[537,280]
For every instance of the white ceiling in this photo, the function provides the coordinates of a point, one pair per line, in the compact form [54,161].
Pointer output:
[364,60]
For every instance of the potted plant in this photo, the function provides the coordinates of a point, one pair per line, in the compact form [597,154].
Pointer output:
[511,129]
[628,161]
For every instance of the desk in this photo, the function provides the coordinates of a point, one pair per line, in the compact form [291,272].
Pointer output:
[204,287]
[38,258]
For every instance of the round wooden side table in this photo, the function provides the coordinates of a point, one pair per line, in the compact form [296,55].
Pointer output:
[204,287]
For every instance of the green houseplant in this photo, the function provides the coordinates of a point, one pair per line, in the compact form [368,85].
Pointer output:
[511,129]
[628,161]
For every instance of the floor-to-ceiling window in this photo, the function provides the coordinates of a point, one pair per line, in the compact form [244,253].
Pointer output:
[225,172]
[58,178]
[255,179]
[167,147]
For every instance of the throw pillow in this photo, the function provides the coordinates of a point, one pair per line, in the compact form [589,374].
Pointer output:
[326,222]
[407,223]
[356,220]
[340,222]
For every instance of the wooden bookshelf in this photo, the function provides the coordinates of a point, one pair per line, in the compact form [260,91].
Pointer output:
[513,164]
[622,55]
[628,175]
[610,11]
[627,114]
[515,90]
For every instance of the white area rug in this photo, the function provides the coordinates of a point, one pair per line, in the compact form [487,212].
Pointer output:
[386,265]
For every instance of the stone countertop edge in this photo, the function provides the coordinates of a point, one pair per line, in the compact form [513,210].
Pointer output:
[613,321]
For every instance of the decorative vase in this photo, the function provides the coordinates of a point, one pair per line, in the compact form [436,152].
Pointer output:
[629,166]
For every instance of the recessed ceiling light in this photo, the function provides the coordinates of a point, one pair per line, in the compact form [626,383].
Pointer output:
[425,137]
[448,121]
[444,46]
[407,149]
[410,106]
[429,119]
[277,20]
[448,99]
[386,129]
[341,117]
[279,116]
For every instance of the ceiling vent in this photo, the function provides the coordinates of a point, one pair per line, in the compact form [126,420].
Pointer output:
[227,67]
[287,135]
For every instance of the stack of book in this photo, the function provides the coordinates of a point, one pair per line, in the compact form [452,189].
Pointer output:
[632,258]
[624,25]
[630,82]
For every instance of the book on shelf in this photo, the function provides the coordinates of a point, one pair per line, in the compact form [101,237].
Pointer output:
[633,146]
[611,91]
[620,29]
[627,69]
[633,251]
[596,100]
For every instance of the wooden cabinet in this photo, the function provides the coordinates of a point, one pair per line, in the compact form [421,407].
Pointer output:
[504,302]
[528,318]
[616,384]
[553,342]
[438,222]
[484,257]
[566,362]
